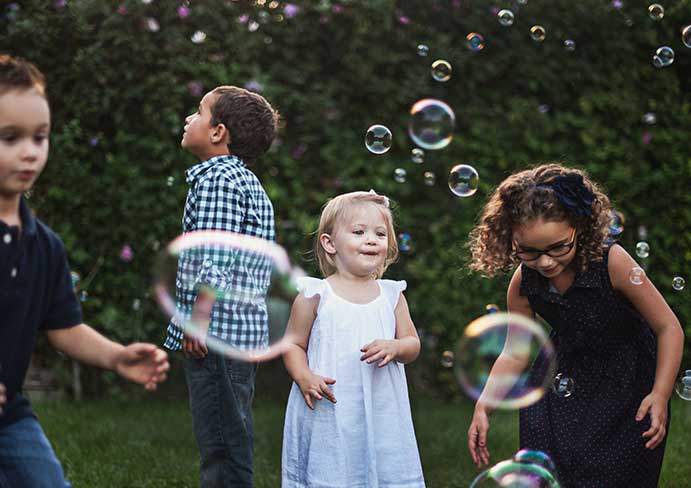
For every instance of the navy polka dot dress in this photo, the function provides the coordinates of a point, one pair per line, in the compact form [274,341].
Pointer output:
[607,348]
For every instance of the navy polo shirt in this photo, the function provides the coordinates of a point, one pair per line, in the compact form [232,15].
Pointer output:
[35,294]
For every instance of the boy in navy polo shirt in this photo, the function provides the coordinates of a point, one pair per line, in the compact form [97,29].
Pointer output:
[36,288]
[232,126]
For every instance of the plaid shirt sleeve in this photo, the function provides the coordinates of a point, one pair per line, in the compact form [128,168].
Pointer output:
[220,206]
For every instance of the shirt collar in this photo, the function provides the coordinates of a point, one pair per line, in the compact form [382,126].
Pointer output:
[533,283]
[28,218]
[197,170]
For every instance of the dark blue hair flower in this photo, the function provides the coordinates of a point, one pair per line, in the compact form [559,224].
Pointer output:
[572,192]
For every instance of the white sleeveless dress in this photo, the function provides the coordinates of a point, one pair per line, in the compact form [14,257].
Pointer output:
[366,439]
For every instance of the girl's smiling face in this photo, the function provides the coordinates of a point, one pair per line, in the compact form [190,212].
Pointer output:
[548,247]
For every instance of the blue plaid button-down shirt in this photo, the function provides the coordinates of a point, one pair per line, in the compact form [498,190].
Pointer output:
[226,196]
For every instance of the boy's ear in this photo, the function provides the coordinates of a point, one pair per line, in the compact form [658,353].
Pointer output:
[220,134]
[327,243]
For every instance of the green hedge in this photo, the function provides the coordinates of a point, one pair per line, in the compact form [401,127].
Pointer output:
[119,94]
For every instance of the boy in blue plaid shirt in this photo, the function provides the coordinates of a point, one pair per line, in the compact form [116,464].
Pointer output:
[232,126]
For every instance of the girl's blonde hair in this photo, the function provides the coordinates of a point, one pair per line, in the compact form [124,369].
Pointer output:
[337,211]
[524,197]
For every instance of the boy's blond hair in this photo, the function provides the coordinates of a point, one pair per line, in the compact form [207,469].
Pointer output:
[337,211]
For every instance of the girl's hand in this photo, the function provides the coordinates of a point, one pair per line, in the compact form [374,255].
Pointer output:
[3,397]
[313,385]
[656,405]
[477,437]
[381,349]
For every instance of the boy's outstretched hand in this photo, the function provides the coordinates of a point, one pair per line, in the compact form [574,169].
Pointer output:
[142,363]
[3,397]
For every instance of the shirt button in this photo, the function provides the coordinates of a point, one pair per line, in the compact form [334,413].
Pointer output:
[7,238]
[13,273]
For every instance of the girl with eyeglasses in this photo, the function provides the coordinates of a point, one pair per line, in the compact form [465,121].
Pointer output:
[615,338]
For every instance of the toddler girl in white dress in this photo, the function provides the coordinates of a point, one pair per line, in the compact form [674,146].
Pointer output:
[348,421]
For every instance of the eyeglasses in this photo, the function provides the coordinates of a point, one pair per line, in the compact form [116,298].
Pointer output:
[553,252]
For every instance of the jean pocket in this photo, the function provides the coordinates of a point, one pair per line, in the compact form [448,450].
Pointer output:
[240,371]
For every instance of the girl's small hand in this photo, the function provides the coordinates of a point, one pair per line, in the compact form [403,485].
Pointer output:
[381,349]
[477,437]
[315,386]
[656,405]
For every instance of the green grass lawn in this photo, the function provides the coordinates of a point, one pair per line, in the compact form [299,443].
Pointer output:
[149,443]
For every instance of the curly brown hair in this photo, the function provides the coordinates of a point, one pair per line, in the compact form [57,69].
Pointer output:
[251,121]
[524,197]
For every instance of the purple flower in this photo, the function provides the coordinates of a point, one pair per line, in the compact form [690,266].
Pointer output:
[93,142]
[337,8]
[195,88]
[494,10]
[290,10]
[617,4]
[254,86]
[126,253]
[573,194]
[183,12]
[60,3]
[404,19]
[647,137]
[243,18]
[122,9]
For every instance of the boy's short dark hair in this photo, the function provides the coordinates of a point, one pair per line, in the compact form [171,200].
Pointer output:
[251,121]
[17,73]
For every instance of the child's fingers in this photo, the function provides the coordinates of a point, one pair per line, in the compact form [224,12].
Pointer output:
[308,400]
[376,357]
[369,353]
[387,359]
[329,381]
[326,391]
[367,346]
[643,409]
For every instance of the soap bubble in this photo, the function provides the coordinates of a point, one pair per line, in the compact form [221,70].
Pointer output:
[570,45]
[378,139]
[422,50]
[441,70]
[417,156]
[447,359]
[616,222]
[235,274]
[683,385]
[664,56]
[686,36]
[463,180]
[563,386]
[400,175]
[656,11]
[678,283]
[405,242]
[513,474]
[642,249]
[637,275]
[538,33]
[508,335]
[430,178]
[505,17]
[650,118]
[431,124]
[475,41]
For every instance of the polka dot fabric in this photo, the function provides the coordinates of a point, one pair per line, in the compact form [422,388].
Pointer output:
[608,349]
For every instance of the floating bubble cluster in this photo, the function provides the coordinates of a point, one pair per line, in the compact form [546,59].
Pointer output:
[405,242]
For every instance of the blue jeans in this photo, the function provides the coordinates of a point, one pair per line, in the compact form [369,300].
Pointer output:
[221,392]
[27,459]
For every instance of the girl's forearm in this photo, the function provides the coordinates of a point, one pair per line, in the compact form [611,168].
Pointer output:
[670,347]
[408,349]
[295,360]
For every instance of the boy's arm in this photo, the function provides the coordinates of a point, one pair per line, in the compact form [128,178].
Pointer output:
[139,362]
